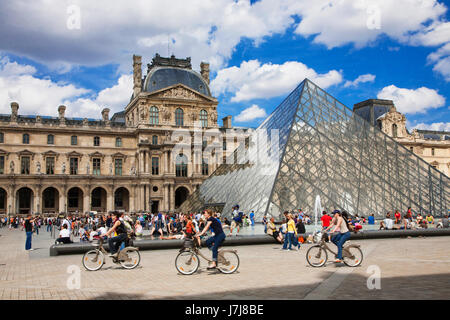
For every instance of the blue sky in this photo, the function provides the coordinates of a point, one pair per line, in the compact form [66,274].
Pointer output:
[79,53]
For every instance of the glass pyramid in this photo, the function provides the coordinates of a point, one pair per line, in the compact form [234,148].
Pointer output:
[315,145]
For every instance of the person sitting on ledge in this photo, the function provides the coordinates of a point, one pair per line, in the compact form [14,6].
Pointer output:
[444,223]
[64,235]
[388,223]
[272,231]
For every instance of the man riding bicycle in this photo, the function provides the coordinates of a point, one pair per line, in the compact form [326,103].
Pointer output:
[215,241]
[115,242]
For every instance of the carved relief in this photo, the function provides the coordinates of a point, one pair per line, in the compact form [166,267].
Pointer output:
[179,93]
[166,114]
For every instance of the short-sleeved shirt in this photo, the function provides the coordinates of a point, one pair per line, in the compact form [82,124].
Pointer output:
[216,227]
[326,219]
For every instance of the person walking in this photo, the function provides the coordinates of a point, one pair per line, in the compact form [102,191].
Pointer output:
[28,225]
[290,233]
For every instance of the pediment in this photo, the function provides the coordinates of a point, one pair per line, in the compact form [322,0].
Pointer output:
[181,92]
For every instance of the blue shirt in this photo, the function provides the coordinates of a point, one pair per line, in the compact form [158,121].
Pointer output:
[371,220]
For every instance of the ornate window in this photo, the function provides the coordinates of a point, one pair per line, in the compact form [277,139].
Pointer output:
[205,167]
[118,167]
[25,165]
[118,142]
[155,140]
[181,165]
[50,139]
[154,115]
[73,165]
[179,117]
[155,166]
[96,141]
[394,130]
[50,165]
[26,138]
[203,118]
[96,166]
[2,164]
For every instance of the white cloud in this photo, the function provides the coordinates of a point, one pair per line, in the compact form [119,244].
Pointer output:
[338,22]
[251,113]
[412,101]
[441,60]
[251,80]
[361,79]
[43,96]
[437,126]
[111,31]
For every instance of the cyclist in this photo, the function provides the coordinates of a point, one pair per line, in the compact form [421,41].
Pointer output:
[115,242]
[216,240]
[342,227]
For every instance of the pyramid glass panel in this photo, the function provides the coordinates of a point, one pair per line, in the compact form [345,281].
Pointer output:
[327,150]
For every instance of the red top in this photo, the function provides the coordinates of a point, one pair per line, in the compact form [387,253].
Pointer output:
[326,220]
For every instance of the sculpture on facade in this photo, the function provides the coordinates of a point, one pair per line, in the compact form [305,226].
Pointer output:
[38,167]
[11,166]
[88,168]
[63,168]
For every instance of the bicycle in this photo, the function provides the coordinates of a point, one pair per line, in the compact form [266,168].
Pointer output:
[128,258]
[187,261]
[317,255]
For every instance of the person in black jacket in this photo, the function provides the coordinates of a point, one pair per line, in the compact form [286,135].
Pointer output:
[300,227]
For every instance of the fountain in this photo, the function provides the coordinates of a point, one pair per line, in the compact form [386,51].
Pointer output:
[317,210]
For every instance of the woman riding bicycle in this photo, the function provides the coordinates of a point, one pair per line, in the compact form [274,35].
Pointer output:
[214,241]
[341,226]
[115,242]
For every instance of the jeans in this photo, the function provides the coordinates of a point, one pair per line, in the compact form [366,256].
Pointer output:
[339,241]
[289,238]
[28,242]
[49,227]
[215,242]
[37,229]
[115,242]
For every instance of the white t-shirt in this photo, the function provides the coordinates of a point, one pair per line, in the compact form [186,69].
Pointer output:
[92,235]
[102,230]
[389,223]
[64,233]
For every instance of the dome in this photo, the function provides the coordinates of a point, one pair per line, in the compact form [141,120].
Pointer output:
[163,77]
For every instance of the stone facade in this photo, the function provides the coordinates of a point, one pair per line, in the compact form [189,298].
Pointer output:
[135,161]
[432,146]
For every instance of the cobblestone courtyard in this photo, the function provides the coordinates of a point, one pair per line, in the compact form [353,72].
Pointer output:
[416,268]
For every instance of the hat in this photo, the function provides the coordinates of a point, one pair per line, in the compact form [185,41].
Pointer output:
[336,211]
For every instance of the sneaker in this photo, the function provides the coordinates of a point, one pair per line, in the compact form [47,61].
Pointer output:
[210,267]
[337,261]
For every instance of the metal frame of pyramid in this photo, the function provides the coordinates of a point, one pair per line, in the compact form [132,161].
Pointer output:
[326,150]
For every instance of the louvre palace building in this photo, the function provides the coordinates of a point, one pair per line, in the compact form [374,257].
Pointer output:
[128,161]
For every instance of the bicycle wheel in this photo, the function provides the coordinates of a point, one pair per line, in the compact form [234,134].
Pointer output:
[93,260]
[352,256]
[228,261]
[187,262]
[130,258]
[316,256]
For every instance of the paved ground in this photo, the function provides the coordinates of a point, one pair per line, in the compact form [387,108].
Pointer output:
[416,268]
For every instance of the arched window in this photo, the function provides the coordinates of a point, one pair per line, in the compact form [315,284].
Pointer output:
[203,118]
[179,117]
[394,130]
[181,165]
[155,140]
[154,115]
[26,138]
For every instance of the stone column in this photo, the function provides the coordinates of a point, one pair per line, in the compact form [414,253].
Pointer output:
[141,162]
[11,201]
[147,157]
[165,170]
[171,197]
[141,198]
[86,201]
[131,199]
[110,199]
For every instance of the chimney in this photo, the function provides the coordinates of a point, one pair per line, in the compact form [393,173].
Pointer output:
[204,71]
[227,122]
[137,75]
[14,111]
[105,114]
